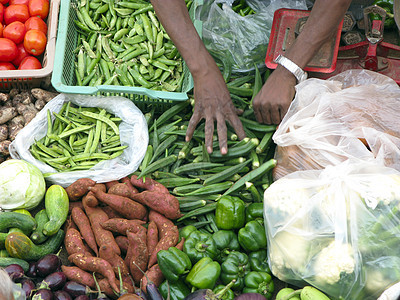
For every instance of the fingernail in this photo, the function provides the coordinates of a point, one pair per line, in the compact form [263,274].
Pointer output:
[224,150]
[209,149]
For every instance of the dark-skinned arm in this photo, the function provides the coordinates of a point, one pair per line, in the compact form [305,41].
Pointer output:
[212,99]
[273,100]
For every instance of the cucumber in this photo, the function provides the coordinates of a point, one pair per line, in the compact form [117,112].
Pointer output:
[311,293]
[56,203]
[11,219]
[20,246]
[6,261]
[37,235]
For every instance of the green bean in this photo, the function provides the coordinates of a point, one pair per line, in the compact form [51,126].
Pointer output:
[103,119]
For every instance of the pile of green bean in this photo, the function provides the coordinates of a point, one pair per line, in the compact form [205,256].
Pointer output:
[123,43]
[78,138]
[241,7]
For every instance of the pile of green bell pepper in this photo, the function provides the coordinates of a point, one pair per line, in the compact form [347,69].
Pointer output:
[234,256]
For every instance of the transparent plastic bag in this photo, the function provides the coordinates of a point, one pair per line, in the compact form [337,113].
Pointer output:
[242,40]
[354,114]
[336,229]
[133,133]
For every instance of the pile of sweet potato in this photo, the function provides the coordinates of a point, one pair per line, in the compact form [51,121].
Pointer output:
[119,226]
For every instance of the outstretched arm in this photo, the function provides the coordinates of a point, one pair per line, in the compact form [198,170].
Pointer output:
[273,100]
[212,98]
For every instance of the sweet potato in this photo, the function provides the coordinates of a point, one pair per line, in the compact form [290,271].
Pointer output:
[180,244]
[170,239]
[154,275]
[163,223]
[116,261]
[95,264]
[128,182]
[109,184]
[122,242]
[74,204]
[79,188]
[137,255]
[69,223]
[92,201]
[120,189]
[77,274]
[74,244]
[157,197]
[125,206]
[152,236]
[96,217]
[120,225]
[111,213]
[105,287]
[83,223]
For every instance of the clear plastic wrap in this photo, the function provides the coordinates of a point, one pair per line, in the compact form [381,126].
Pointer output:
[133,133]
[352,115]
[242,40]
[336,229]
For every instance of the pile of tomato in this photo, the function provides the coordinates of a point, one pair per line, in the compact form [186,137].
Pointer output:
[23,33]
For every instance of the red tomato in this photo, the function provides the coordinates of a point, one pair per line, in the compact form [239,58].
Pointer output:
[1,12]
[16,12]
[35,42]
[18,2]
[30,63]
[1,30]
[5,66]
[8,50]
[15,31]
[36,23]
[39,8]
[4,2]
[21,54]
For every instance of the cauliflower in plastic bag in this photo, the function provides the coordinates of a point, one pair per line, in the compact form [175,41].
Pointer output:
[336,228]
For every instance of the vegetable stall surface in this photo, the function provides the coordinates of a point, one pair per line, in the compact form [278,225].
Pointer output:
[78,138]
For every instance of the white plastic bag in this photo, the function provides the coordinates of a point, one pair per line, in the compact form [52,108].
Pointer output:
[354,114]
[133,132]
[242,41]
[336,229]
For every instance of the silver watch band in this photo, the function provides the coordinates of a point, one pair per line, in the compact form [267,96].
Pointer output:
[292,68]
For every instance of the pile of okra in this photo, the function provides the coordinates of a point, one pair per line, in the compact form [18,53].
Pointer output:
[78,138]
[198,178]
[123,43]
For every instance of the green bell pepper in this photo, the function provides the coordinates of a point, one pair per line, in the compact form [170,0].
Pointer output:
[204,274]
[255,211]
[224,292]
[173,263]
[230,213]
[259,261]
[178,290]
[226,242]
[184,232]
[235,266]
[252,236]
[259,282]
[199,245]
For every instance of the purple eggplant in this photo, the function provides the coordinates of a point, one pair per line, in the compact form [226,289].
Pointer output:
[250,296]
[32,271]
[15,272]
[28,286]
[76,289]
[48,264]
[82,297]
[43,294]
[53,281]
[62,295]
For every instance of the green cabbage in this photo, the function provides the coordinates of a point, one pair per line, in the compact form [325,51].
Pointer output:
[22,185]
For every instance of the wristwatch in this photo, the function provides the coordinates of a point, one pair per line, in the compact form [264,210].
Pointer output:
[292,68]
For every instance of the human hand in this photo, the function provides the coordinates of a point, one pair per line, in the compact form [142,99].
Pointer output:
[272,102]
[213,103]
